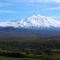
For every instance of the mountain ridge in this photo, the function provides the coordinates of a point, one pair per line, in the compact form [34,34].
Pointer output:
[30,27]
[35,21]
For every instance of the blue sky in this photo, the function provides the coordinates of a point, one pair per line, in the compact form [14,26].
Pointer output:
[12,10]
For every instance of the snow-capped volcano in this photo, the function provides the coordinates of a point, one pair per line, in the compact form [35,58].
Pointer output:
[31,27]
[33,22]
[38,22]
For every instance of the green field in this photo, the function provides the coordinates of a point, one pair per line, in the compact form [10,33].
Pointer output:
[29,54]
[40,49]
[25,54]
[9,58]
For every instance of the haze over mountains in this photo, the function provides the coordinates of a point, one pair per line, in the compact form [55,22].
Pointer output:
[32,27]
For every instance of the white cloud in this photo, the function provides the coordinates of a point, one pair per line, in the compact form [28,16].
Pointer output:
[41,1]
[54,8]
[32,1]
[57,1]
[47,1]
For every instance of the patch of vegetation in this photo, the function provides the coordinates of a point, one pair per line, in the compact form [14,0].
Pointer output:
[40,49]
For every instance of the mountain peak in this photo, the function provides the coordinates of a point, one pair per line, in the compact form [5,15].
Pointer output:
[34,21]
[38,21]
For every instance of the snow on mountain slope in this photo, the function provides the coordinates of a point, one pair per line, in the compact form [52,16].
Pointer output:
[33,22]
[39,21]
[8,24]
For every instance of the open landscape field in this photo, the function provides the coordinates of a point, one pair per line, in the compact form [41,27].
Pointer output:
[29,49]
